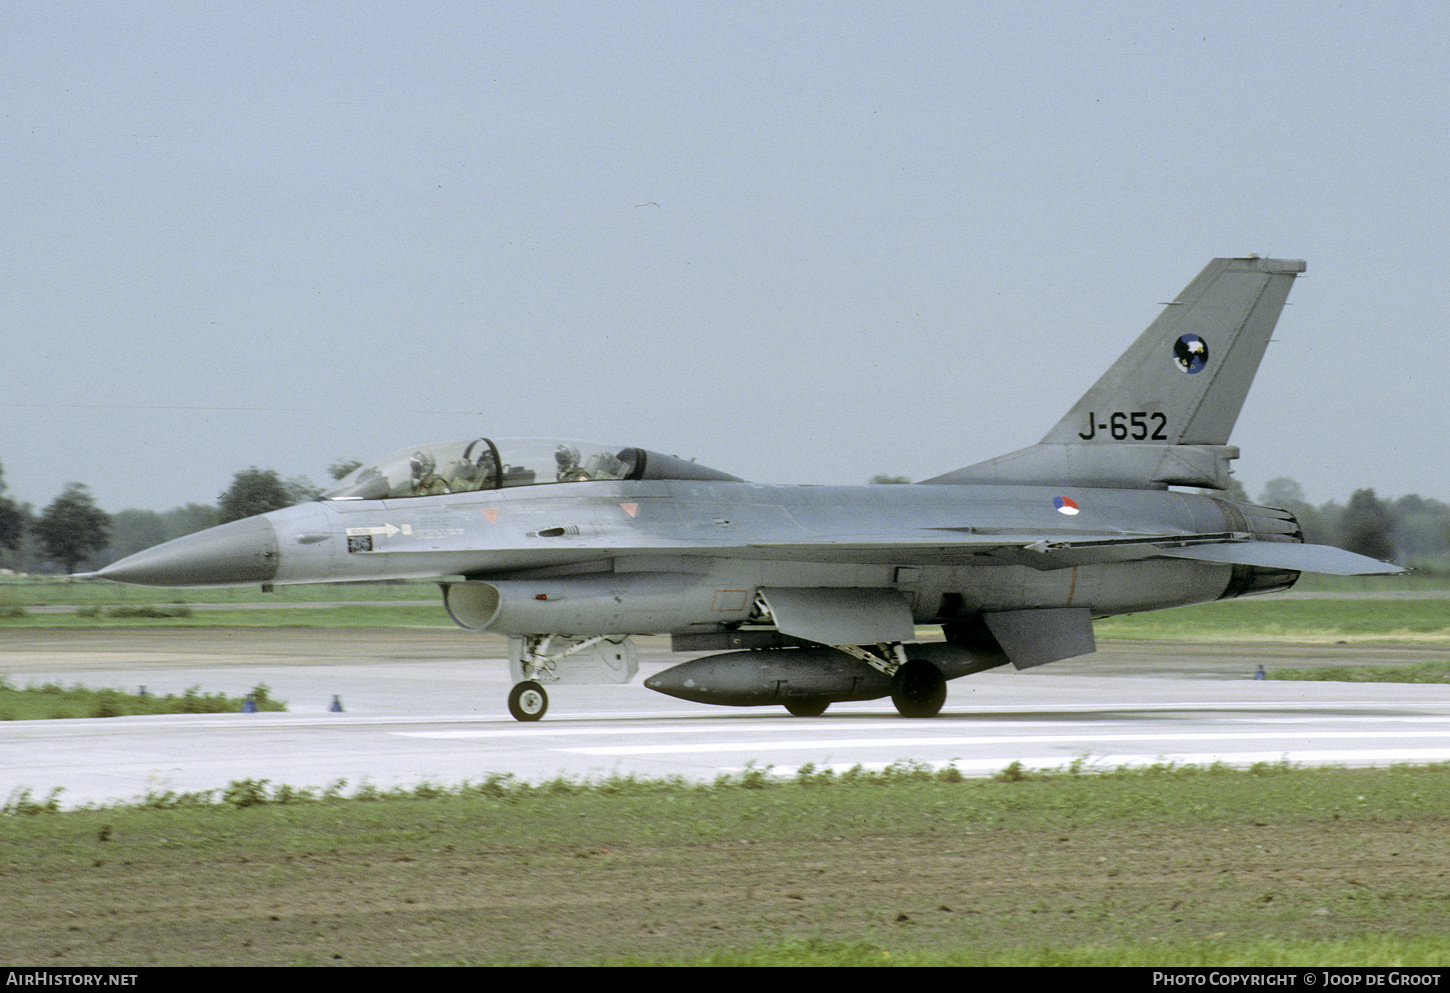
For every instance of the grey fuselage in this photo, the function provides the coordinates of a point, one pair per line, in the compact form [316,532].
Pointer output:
[736,536]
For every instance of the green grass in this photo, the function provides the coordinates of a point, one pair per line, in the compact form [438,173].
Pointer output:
[1366,952]
[565,811]
[37,591]
[1418,581]
[401,614]
[417,604]
[1424,672]
[1170,865]
[1242,620]
[52,701]
[106,604]
[1308,620]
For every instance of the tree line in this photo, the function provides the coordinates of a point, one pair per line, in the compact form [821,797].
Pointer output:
[72,532]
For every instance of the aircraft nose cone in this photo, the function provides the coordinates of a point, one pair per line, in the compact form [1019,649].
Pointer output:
[234,554]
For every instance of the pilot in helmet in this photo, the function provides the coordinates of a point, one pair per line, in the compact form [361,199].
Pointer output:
[567,457]
[425,479]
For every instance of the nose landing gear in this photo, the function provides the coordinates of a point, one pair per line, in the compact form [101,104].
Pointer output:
[528,701]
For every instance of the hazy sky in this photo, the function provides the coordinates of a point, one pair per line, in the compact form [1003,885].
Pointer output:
[800,242]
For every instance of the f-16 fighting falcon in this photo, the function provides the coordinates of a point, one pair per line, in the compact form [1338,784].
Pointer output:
[814,594]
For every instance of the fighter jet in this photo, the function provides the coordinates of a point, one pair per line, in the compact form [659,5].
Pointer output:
[815,594]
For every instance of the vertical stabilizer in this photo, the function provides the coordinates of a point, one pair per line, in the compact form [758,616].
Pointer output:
[1188,374]
[1163,413]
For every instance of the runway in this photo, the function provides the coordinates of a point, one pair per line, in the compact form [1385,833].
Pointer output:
[419,709]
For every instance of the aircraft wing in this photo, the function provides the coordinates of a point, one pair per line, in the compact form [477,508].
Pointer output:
[1048,552]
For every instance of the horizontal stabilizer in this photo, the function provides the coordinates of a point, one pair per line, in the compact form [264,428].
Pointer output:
[1287,555]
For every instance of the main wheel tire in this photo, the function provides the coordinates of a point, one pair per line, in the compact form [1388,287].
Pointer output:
[918,689]
[807,706]
[528,701]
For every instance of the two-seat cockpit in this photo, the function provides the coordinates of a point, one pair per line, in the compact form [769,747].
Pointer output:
[485,464]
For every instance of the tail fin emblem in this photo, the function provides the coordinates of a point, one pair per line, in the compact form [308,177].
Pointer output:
[1191,353]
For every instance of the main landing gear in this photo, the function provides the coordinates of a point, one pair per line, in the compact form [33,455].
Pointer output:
[918,689]
[528,701]
[917,686]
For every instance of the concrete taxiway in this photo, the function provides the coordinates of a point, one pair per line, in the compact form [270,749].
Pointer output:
[428,706]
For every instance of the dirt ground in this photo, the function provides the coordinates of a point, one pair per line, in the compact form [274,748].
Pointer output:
[103,904]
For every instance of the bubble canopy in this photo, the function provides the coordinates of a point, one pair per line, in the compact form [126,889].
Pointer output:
[487,464]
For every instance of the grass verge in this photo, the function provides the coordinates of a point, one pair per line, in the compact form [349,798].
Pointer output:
[1424,672]
[52,701]
[342,616]
[38,591]
[1290,620]
[1168,865]
[1367,952]
[1412,621]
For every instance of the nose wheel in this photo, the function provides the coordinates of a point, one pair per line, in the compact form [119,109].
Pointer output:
[528,701]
